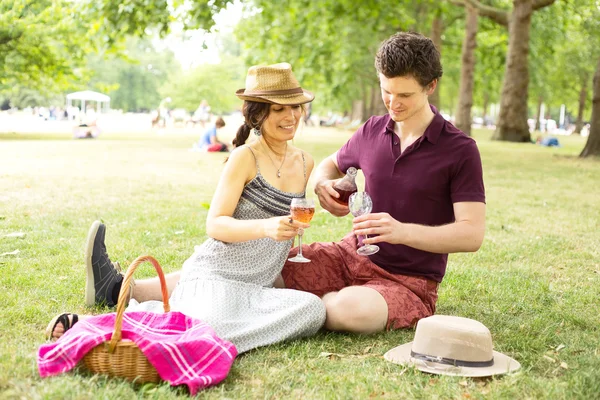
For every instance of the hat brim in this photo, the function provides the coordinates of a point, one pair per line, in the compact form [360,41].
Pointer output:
[502,364]
[284,100]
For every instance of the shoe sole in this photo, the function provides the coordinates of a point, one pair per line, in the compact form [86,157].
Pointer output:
[90,290]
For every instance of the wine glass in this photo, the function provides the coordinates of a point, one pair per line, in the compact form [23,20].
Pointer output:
[302,209]
[360,203]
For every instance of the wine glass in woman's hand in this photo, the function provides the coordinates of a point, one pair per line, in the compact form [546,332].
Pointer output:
[302,210]
[360,203]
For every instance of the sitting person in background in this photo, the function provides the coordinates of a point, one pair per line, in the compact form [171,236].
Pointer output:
[209,141]
[548,141]
[88,128]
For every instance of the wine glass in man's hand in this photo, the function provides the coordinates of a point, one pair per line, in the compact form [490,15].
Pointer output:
[360,203]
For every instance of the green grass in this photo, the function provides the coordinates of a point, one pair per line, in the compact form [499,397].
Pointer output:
[535,283]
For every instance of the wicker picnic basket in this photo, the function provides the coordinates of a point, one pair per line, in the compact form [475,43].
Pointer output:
[121,358]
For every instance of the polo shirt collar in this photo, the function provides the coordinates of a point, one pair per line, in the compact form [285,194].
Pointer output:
[433,131]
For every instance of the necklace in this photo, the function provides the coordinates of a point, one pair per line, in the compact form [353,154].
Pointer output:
[273,162]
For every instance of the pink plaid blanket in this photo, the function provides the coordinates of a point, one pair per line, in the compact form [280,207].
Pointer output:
[183,350]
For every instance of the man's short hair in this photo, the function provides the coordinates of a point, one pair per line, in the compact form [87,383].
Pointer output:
[409,54]
[219,123]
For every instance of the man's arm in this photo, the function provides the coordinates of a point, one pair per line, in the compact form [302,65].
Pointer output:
[465,234]
[326,175]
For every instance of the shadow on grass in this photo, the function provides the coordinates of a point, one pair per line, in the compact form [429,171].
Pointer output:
[574,157]
[36,136]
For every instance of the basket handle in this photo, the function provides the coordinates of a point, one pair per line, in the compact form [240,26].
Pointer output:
[124,294]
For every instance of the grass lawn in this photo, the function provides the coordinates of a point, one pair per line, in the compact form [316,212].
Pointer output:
[535,283]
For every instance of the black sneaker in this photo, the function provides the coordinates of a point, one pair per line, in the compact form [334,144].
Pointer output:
[102,275]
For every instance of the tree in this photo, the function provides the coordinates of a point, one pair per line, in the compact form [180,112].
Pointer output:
[442,18]
[330,43]
[117,19]
[437,31]
[467,78]
[134,76]
[310,36]
[572,72]
[551,26]
[592,146]
[43,43]
[512,122]
[215,83]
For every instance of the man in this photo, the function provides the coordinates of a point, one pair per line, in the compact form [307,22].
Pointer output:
[425,178]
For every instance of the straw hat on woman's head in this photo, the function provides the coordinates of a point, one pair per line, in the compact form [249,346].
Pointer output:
[448,345]
[275,84]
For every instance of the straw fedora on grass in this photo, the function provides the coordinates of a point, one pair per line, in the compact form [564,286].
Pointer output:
[274,84]
[448,345]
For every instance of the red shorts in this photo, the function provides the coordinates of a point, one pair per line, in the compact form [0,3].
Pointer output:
[335,266]
[216,147]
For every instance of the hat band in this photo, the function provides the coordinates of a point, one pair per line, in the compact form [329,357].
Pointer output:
[284,92]
[452,361]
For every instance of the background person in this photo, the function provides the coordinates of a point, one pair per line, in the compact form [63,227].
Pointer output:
[209,141]
[202,113]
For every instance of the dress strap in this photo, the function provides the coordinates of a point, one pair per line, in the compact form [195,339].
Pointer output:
[304,162]
[256,159]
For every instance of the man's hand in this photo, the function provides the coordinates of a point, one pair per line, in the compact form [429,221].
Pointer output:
[465,234]
[326,194]
[380,227]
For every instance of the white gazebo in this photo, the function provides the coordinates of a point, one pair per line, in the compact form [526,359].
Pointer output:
[102,100]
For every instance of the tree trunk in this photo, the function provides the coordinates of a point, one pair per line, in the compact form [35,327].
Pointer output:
[377,107]
[512,121]
[580,111]
[437,28]
[365,101]
[538,113]
[486,105]
[357,111]
[592,146]
[465,101]
[373,100]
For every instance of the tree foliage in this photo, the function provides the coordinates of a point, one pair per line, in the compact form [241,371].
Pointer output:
[116,19]
[133,78]
[570,65]
[331,44]
[43,43]
[215,83]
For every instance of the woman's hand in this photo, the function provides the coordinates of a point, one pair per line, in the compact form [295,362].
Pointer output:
[282,228]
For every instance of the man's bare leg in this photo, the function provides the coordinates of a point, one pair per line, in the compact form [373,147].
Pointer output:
[356,309]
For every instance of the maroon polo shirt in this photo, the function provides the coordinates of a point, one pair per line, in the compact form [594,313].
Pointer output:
[418,186]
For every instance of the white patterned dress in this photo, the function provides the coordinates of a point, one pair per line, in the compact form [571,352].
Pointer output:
[230,285]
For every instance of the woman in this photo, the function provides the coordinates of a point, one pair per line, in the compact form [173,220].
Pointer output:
[228,281]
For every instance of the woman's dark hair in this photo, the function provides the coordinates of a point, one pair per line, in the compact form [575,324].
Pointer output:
[409,54]
[255,114]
